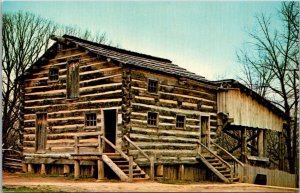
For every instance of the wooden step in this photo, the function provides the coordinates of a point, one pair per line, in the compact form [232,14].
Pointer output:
[216,164]
[236,179]
[227,175]
[212,160]
[221,168]
[127,166]
[225,172]
[139,174]
[121,162]
[126,171]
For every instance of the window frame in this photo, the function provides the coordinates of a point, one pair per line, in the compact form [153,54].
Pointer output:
[86,121]
[157,115]
[49,74]
[184,121]
[148,85]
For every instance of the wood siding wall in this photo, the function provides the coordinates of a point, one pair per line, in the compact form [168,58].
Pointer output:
[100,87]
[274,177]
[246,111]
[168,143]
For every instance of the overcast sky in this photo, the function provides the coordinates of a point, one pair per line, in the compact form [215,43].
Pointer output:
[202,37]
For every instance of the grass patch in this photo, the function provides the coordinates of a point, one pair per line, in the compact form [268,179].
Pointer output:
[28,189]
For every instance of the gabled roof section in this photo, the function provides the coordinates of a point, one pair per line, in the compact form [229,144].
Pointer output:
[231,83]
[136,59]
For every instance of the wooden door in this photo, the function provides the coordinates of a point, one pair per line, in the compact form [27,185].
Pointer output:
[110,121]
[73,79]
[205,130]
[40,132]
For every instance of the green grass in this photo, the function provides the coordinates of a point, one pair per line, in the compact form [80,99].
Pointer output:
[28,189]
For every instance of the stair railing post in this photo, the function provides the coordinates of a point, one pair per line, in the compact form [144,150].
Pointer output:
[152,167]
[130,168]
[100,144]
[231,174]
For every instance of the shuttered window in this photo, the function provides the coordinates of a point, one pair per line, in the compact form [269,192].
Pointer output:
[152,119]
[73,79]
[90,119]
[180,121]
[53,74]
[152,86]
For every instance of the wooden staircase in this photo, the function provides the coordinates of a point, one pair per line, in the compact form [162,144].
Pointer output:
[121,167]
[225,171]
[218,168]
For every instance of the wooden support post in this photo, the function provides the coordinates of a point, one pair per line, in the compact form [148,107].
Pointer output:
[130,168]
[30,169]
[160,170]
[100,164]
[265,143]
[152,167]
[92,170]
[43,169]
[24,168]
[244,144]
[76,169]
[181,172]
[66,169]
[260,143]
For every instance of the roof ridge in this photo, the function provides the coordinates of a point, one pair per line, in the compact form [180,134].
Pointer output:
[118,49]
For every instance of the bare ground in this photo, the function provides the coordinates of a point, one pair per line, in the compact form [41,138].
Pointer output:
[67,184]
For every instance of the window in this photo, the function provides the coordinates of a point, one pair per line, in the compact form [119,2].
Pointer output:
[73,79]
[152,118]
[90,120]
[180,121]
[60,46]
[53,74]
[152,86]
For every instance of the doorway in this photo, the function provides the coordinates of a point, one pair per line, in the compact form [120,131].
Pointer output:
[40,132]
[205,131]
[110,126]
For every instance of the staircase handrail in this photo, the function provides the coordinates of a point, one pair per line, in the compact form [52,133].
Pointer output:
[115,148]
[144,154]
[230,155]
[215,155]
[137,147]
[78,136]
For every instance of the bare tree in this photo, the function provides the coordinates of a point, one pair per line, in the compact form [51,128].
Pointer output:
[271,62]
[25,37]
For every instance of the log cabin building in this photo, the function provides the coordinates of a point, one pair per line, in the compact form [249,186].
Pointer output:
[95,110]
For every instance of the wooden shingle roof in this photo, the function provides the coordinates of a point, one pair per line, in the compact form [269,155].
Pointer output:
[136,59]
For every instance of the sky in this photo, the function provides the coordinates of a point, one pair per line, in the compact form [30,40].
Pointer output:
[201,36]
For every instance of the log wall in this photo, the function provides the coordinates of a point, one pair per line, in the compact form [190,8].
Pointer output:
[247,112]
[100,87]
[175,97]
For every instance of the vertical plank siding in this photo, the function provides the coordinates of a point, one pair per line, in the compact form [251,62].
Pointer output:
[100,84]
[168,143]
[246,111]
[274,177]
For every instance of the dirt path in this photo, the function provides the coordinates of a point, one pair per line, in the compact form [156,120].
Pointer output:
[91,185]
